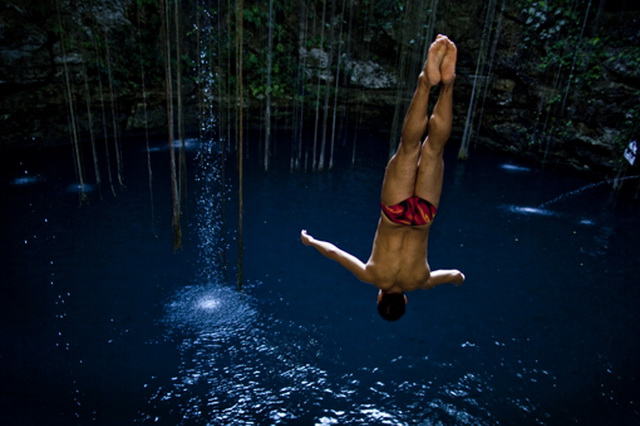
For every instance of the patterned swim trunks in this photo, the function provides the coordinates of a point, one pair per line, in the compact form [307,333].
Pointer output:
[413,211]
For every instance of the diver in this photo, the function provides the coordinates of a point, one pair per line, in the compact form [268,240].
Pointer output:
[411,192]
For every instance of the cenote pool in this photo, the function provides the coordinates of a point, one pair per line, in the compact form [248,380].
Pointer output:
[102,323]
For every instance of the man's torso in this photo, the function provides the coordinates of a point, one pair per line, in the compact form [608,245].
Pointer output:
[398,260]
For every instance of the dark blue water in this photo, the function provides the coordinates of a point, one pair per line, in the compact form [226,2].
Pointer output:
[101,322]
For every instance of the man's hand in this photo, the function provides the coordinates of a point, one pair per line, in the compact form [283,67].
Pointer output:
[458,278]
[305,238]
[443,276]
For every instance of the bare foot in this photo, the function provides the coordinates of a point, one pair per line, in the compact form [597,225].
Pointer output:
[437,51]
[448,64]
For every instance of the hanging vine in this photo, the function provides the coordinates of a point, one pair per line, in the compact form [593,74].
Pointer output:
[480,78]
[176,213]
[71,113]
[267,111]
[239,141]
[146,121]
[182,177]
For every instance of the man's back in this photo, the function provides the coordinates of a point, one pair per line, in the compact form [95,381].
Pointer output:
[398,260]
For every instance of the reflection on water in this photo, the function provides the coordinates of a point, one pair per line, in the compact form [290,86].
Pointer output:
[530,211]
[190,144]
[77,188]
[514,168]
[26,180]
[540,212]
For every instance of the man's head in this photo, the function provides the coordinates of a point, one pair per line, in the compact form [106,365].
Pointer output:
[391,306]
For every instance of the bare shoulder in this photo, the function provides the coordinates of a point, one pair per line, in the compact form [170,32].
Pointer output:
[375,275]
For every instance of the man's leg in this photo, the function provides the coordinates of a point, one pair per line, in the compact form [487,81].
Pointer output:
[431,169]
[400,177]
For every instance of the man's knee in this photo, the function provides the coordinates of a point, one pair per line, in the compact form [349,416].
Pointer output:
[432,149]
[408,151]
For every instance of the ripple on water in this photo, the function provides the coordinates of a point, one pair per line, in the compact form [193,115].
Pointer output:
[238,365]
[235,366]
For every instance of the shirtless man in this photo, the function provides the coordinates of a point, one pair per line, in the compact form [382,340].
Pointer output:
[410,195]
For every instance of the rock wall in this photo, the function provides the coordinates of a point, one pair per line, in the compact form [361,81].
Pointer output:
[556,85]
[570,99]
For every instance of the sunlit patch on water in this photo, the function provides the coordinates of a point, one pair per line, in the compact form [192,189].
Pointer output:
[514,168]
[77,188]
[189,144]
[541,212]
[530,211]
[26,180]
[377,416]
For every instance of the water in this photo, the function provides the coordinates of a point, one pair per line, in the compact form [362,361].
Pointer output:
[570,194]
[103,323]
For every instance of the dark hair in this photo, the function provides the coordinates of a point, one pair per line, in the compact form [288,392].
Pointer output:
[391,306]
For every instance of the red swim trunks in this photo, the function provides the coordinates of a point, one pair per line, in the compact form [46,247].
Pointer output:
[413,211]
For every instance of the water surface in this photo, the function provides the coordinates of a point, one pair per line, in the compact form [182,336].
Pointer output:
[102,322]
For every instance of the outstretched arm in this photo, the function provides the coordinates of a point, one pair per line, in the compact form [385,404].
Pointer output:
[443,276]
[347,260]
